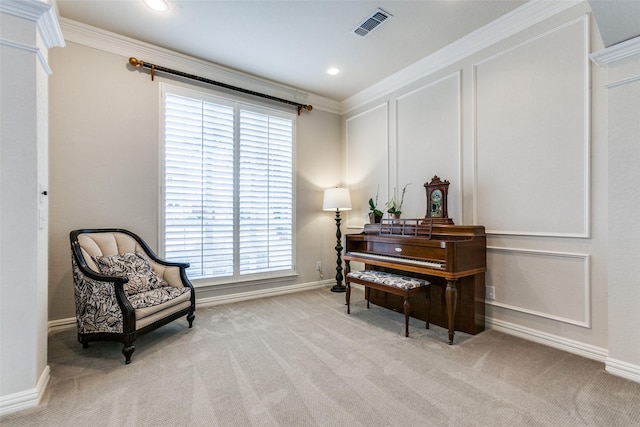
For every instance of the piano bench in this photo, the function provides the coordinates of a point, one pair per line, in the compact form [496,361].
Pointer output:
[391,283]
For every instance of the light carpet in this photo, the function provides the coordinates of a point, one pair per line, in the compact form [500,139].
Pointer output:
[300,360]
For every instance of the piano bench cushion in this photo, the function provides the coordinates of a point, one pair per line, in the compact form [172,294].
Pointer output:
[388,279]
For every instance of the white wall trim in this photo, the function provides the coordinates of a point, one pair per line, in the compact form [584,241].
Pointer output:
[586,258]
[524,17]
[618,52]
[39,12]
[127,47]
[623,82]
[262,293]
[30,49]
[571,346]
[25,399]
[61,324]
[623,369]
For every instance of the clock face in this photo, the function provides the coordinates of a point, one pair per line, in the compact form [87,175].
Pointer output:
[436,204]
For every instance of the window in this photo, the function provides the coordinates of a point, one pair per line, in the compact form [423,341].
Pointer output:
[228,186]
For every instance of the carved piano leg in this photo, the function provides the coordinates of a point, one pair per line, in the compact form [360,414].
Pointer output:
[407,310]
[451,296]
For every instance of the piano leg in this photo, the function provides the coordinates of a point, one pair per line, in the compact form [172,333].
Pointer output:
[427,304]
[451,297]
[407,309]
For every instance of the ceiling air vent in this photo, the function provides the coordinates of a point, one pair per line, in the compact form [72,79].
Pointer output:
[366,26]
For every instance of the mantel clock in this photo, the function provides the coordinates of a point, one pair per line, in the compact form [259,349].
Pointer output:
[437,198]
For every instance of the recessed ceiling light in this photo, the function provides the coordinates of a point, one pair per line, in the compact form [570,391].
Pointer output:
[157,5]
[333,71]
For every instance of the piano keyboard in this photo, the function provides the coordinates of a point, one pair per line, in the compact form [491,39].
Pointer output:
[430,264]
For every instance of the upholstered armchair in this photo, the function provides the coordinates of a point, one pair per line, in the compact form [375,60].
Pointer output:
[123,289]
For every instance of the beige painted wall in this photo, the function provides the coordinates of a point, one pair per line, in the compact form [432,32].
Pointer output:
[104,161]
[519,129]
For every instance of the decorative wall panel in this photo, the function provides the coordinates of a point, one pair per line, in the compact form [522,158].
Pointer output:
[532,136]
[554,285]
[429,138]
[366,161]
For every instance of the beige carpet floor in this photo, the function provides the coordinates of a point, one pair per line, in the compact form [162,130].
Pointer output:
[300,360]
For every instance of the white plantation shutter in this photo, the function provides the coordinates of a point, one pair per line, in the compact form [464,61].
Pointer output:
[266,193]
[228,186]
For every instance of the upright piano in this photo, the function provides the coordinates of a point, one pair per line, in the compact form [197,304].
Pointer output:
[451,257]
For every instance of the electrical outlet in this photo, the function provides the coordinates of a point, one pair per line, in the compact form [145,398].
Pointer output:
[491,292]
[318,265]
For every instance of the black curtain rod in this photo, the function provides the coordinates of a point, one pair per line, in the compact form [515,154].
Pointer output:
[136,63]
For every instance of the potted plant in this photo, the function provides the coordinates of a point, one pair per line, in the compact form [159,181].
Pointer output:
[375,214]
[393,206]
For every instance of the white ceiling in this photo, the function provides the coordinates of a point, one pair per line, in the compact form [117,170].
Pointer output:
[294,42]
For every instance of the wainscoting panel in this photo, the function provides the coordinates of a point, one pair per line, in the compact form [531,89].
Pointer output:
[429,143]
[532,137]
[367,161]
[553,285]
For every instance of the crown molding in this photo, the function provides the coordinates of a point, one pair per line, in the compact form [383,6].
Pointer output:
[127,47]
[43,14]
[519,19]
[617,52]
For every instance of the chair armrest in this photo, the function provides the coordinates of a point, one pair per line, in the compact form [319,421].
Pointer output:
[175,274]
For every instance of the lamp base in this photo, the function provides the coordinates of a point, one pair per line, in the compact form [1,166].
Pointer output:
[338,288]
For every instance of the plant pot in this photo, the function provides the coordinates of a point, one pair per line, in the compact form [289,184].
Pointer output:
[374,219]
[395,216]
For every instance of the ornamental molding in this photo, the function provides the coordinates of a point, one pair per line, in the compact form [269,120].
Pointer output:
[42,14]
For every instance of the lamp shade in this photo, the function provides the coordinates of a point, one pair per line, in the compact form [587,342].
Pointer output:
[336,199]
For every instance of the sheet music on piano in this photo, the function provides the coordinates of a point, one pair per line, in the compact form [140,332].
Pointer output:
[405,227]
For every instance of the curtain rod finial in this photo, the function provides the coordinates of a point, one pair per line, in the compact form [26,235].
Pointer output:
[133,61]
[304,107]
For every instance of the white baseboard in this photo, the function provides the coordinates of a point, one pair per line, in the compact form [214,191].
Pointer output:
[245,296]
[623,369]
[561,343]
[61,324]
[25,399]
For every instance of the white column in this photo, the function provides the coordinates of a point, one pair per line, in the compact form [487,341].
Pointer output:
[623,89]
[27,30]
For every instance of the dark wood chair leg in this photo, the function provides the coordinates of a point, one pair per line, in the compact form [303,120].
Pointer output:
[128,348]
[190,318]
[367,292]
